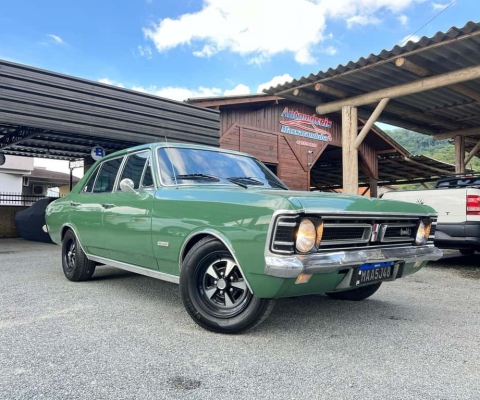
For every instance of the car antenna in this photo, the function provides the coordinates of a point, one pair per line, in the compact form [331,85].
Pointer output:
[173,168]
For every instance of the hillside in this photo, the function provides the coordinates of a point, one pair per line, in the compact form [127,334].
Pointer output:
[418,144]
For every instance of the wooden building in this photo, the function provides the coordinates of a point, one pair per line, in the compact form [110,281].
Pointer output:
[294,141]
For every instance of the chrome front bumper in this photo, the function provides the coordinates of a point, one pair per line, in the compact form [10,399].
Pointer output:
[325,263]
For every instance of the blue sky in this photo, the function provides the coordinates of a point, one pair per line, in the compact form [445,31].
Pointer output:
[188,48]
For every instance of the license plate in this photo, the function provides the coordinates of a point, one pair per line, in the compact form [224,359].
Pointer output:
[372,272]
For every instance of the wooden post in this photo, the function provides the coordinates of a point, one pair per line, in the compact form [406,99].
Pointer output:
[460,154]
[349,153]
[368,125]
[373,187]
[472,153]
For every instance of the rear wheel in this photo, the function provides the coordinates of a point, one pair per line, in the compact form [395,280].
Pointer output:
[215,293]
[76,266]
[356,294]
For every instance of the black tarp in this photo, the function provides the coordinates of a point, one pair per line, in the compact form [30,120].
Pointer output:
[29,222]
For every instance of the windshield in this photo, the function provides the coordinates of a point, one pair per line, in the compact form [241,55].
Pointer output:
[207,167]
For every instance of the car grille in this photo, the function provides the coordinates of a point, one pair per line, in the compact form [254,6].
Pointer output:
[350,232]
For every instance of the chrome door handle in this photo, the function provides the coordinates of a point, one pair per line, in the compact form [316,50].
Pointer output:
[108,205]
[74,204]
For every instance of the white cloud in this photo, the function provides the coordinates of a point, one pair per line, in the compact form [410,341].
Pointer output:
[403,19]
[362,20]
[56,39]
[109,81]
[277,80]
[179,93]
[409,38]
[237,90]
[330,50]
[145,51]
[251,28]
[182,93]
[439,6]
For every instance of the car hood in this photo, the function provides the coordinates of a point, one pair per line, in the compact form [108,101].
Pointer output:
[335,202]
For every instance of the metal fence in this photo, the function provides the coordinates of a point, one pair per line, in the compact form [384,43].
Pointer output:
[19,199]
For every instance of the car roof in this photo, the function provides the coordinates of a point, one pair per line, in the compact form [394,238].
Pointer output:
[173,145]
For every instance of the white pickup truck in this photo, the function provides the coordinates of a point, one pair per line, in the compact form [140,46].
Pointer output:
[456,198]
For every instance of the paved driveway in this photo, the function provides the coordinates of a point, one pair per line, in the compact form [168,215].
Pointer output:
[125,336]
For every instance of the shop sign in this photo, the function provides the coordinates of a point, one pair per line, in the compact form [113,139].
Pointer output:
[308,126]
[97,153]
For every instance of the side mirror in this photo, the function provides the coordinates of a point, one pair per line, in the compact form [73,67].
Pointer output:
[127,185]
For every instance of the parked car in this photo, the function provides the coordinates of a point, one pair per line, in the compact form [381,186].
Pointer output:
[456,198]
[232,235]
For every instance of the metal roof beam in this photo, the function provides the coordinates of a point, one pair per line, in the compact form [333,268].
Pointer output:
[16,138]
[402,62]
[421,85]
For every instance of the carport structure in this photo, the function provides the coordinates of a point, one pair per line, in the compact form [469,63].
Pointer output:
[431,87]
[50,115]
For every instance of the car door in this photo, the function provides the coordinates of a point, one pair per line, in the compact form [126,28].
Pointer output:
[127,217]
[88,206]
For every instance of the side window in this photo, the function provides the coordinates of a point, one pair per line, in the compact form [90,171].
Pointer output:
[134,167]
[106,176]
[89,185]
[147,180]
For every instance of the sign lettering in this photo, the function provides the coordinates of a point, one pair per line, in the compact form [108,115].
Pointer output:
[308,126]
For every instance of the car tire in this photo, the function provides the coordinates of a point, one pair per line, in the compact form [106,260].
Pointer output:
[215,293]
[356,294]
[467,252]
[76,266]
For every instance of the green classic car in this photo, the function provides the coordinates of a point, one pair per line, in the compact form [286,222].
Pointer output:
[231,234]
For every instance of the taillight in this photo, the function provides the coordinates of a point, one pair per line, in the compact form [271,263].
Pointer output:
[473,204]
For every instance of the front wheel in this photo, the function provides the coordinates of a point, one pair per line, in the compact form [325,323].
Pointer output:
[215,293]
[76,266]
[357,294]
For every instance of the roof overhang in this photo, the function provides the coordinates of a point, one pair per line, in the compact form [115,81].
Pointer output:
[433,85]
[51,115]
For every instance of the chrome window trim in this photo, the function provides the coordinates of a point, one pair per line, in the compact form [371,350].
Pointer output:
[122,167]
[147,165]
[116,177]
[96,171]
[210,183]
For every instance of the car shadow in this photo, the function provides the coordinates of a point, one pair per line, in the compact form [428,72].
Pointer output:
[313,312]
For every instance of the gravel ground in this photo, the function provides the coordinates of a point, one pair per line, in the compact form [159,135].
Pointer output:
[124,336]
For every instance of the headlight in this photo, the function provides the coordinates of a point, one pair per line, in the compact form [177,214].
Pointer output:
[306,236]
[423,232]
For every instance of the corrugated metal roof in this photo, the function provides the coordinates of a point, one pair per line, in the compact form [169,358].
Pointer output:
[47,114]
[430,112]
[393,170]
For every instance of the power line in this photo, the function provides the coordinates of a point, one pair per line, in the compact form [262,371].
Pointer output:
[424,25]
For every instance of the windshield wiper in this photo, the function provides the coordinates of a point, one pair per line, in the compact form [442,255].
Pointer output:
[205,177]
[245,180]
[197,177]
